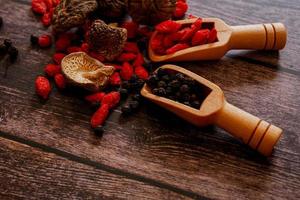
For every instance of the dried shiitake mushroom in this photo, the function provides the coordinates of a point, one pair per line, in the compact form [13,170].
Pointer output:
[112,8]
[151,11]
[86,72]
[106,40]
[72,13]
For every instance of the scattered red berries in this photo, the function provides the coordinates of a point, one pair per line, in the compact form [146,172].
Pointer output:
[170,38]
[60,81]
[42,87]
[57,57]
[126,71]
[44,41]
[51,70]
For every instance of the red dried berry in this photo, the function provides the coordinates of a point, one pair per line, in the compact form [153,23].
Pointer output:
[60,81]
[168,26]
[46,19]
[49,4]
[181,9]
[168,42]
[126,57]
[42,87]
[131,47]
[141,72]
[126,71]
[192,16]
[62,43]
[112,99]
[97,56]
[145,32]
[39,6]
[85,47]
[157,45]
[131,27]
[117,67]
[51,70]
[100,116]
[45,41]
[115,79]
[177,47]
[189,33]
[55,2]
[73,49]
[139,61]
[212,36]
[57,58]
[200,37]
[95,98]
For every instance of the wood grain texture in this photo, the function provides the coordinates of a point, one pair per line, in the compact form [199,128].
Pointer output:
[155,144]
[33,174]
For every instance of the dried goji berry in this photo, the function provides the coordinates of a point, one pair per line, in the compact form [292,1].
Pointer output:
[55,2]
[45,41]
[126,71]
[62,43]
[57,57]
[126,57]
[95,98]
[141,72]
[46,19]
[131,27]
[60,81]
[139,61]
[168,26]
[97,56]
[145,31]
[191,31]
[85,47]
[200,37]
[42,87]
[156,44]
[177,47]
[51,70]
[49,4]
[212,36]
[73,49]
[115,79]
[112,99]
[39,6]
[100,116]
[131,47]
[181,8]
[168,42]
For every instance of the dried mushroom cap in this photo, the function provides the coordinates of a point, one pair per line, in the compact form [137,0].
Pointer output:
[151,11]
[86,72]
[72,13]
[107,40]
[112,8]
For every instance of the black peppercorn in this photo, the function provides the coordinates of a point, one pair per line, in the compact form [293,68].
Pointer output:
[7,43]
[162,92]
[196,104]
[169,91]
[98,130]
[155,91]
[137,97]
[184,88]
[13,53]
[152,80]
[123,93]
[166,78]
[34,40]
[186,97]
[179,76]
[134,105]
[161,84]
[161,72]
[175,84]
[126,110]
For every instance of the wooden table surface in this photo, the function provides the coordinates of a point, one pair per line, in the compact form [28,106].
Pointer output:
[48,150]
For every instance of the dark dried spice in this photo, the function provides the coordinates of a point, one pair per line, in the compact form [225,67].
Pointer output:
[72,13]
[151,11]
[107,40]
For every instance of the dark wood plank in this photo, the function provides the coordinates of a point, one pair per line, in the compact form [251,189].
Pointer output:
[154,143]
[32,174]
[254,12]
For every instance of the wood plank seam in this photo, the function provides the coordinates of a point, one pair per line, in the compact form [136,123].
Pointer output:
[101,166]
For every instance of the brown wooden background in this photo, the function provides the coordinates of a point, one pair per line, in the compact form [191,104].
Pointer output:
[48,150]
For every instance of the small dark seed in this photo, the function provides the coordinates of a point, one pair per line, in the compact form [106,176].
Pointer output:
[184,88]
[196,104]
[99,130]
[175,84]
[166,78]
[169,91]
[161,72]
[187,103]
[134,105]
[13,53]
[7,43]
[179,76]
[126,110]
[152,81]
[186,97]
[123,93]
[155,91]
[162,92]
[162,84]
[34,40]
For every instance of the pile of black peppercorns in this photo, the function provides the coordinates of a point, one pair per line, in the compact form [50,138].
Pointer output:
[177,87]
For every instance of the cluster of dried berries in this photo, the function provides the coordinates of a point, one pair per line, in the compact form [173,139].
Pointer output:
[172,36]
[44,8]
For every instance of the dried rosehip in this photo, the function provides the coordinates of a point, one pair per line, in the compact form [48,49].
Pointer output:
[157,45]
[60,81]
[181,9]
[42,86]
[95,98]
[131,47]
[177,47]
[45,41]
[46,19]
[131,28]
[112,99]
[212,36]
[141,72]
[39,6]
[62,43]
[100,116]
[200,37]
[51,70]
[57,57]
[126,57]
[168,26]
[139,61]
[126,71]
[115,79]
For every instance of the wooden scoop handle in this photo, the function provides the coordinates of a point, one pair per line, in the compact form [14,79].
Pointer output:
[259,37]
[256,133]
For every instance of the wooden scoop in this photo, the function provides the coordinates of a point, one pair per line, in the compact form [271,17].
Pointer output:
[258,134]
[258,37]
